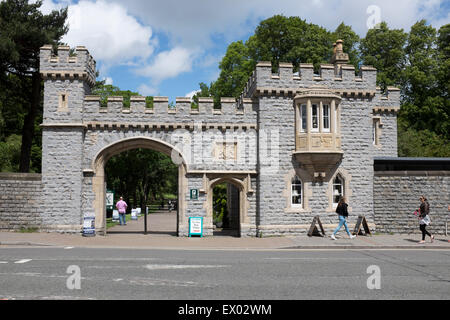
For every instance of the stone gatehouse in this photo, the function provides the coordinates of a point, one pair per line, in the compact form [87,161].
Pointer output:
[290,146]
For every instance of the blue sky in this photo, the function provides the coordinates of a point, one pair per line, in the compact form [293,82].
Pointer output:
[166,48]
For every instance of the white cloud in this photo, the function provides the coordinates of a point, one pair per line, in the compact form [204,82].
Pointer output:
[192,94]
[108,80]
[146,90]
[108,31]
[194,22]
[48,5]
[169,64]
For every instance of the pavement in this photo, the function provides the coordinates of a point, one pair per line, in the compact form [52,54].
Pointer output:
[162,235]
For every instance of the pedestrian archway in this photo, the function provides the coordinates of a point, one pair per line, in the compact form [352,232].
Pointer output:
[236,219]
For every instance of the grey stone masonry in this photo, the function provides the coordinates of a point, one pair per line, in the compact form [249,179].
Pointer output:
[20,201]
[396,197]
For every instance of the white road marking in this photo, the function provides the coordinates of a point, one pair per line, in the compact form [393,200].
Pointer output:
[3,262]
[181,266]
[315,258]
[68,248]
[23,261]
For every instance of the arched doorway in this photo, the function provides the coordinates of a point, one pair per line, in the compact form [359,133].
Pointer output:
[237,204]
[99,185]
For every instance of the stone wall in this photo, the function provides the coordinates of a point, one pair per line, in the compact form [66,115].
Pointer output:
[396,197]
[20,201]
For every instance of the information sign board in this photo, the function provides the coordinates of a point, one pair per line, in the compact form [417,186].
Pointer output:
[196,226]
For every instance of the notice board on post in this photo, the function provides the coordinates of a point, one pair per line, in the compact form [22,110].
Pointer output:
[196,226]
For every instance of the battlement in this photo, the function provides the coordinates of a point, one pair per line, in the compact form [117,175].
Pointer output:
[328,73]
[183,110]
[388,101]
[62,65]
[340,78]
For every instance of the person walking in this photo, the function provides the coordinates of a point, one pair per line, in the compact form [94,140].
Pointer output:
[342,211]
[122,207]
[424,219]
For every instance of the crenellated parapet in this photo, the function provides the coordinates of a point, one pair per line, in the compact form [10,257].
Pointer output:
[286,81]
[388,101]
[63,65]
[184,110]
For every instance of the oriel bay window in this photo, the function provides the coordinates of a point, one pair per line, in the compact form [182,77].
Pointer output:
[318,134]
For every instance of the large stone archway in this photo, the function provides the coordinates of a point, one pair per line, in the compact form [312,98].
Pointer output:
[98,175]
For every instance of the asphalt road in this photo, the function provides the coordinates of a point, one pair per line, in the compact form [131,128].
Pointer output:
[104,274]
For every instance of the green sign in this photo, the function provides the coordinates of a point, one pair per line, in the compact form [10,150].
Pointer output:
[194,194]
[109,200]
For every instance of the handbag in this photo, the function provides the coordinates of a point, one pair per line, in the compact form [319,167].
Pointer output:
[426,220]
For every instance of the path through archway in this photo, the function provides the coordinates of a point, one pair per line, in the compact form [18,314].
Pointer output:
[99,179]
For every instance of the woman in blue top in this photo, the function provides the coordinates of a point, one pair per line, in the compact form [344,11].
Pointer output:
[342,211]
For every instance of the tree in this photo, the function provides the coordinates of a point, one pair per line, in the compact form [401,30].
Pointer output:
[276,39]
[236,66]
[383,48]
[425,112]
[290,39]
[10,153]
[23,31]
[204,92]
[141,175]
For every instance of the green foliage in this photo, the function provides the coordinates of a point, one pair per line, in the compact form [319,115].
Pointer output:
[235,69]
[290,39]
[219,203]
[10,153]
[204,92]
[424,119]
[423,143]
[107,90]
[24,29]
[149,102]
[383,48]
[141,176]
[277,39]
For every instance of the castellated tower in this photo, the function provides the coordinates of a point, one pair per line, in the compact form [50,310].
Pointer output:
[67,80]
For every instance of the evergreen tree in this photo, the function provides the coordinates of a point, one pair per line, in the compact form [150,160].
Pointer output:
[23,31]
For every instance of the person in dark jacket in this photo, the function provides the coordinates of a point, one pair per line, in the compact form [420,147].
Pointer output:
[424,219]
[342,211]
